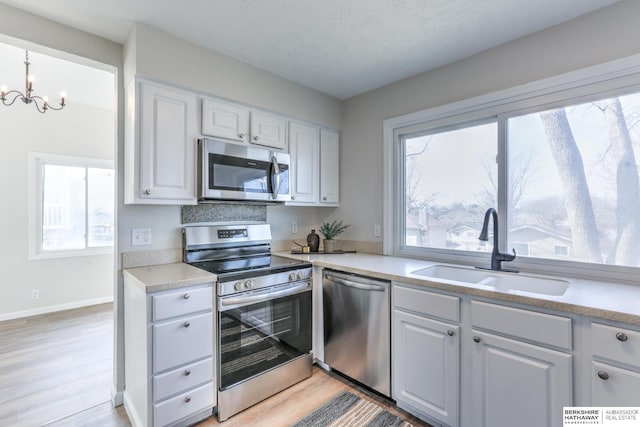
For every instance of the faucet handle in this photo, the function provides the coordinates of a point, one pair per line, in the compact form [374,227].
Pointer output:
[509,257]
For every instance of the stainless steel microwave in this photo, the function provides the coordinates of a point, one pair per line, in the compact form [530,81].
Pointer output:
[228,171]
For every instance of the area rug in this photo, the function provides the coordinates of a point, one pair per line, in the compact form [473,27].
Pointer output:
[347,409]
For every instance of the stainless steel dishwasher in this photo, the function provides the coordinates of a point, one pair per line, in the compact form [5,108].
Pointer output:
[357,323]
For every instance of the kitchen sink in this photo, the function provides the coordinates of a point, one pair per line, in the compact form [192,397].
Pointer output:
[496,280]
[457,274]
[531,284]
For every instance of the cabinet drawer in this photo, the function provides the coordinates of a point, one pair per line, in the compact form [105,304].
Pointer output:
[182,302]
[182,379]
[616,344]
[180,341]
[183,405]
[620,388]
[427,303]
[529,325]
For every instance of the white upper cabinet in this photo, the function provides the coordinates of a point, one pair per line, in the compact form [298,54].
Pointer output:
[237,122]
[268,130]
[160,144]
[314,165]
[304,147]
[225,120]
[329,167]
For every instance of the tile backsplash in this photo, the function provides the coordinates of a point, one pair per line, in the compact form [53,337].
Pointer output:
[224,212]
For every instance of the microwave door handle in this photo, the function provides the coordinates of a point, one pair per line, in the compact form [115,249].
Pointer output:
[275,177]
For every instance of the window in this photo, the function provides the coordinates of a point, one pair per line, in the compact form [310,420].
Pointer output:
[559,159]
[72,210]
[450,178]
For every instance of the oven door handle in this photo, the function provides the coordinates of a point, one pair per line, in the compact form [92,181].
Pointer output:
[253,299]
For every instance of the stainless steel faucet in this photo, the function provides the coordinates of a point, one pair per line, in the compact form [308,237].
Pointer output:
[496,256]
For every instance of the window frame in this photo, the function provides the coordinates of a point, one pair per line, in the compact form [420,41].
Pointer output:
[37,160]
[610,79]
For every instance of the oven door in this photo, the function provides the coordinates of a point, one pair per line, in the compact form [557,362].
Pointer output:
[258,331]
[235,172]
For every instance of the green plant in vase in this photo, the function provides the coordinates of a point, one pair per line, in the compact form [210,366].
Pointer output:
[331,230]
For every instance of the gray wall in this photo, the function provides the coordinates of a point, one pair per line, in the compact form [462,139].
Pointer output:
[601,36]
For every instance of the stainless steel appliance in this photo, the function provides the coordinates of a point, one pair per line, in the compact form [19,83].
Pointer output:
[230,171]
[357,325]
[264,312]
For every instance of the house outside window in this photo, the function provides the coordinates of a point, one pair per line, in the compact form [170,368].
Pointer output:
[72,206]
[558,159]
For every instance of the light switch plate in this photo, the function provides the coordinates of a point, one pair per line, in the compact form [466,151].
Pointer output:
[140,236]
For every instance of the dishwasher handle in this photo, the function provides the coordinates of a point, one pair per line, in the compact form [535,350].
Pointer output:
[355,284]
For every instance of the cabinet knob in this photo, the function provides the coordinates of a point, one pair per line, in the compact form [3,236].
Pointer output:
[241,135]
[603,375]
[186,324]
[324,198]
[186,296]
[450,332]
[187,373]
[293,197]
[187,399]
[476,339]
[147,192]
[255,138]
[622,336]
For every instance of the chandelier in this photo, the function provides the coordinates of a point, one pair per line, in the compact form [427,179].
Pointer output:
[41,102]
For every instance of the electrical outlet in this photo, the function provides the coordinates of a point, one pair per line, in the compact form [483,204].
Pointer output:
[294,227]
[35,294]
[377,230]
[140,236]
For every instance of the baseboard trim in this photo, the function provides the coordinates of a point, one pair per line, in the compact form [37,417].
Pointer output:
[54,308]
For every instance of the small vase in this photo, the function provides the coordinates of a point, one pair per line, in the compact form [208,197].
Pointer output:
[328,245]
[313,241]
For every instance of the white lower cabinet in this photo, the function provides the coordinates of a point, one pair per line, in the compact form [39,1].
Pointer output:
[425,354]
[521,366]
[615,366]
[169,357]
[426,366]
[518,384]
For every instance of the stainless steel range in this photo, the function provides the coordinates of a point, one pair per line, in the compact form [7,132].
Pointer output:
[264,312]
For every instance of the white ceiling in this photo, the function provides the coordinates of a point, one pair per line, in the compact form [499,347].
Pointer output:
[340,47]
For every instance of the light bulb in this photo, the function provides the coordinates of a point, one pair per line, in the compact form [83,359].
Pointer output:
[63,95]
[31,78]
[3,88]
[46,99]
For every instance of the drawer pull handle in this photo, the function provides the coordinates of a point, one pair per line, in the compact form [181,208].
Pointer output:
[450,332]
[187,372]
[186,324]
[187,399]
[186,296]
[241,135]
[476,339]
[603,375]
[622,336]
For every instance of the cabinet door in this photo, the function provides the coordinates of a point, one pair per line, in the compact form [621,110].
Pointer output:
[426,366]
[329,168]
[168,134]
[613,386]
[225,120]
[518,384]
[268,130]
[304,147]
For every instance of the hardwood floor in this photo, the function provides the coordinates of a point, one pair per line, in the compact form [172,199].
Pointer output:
[55,365]
[292,404]
[56,370]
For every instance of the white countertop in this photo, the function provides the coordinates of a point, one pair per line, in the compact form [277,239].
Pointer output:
[610,301]
[167,276]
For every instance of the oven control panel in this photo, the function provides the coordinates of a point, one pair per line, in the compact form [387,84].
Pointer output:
[234,286]
[232,233]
